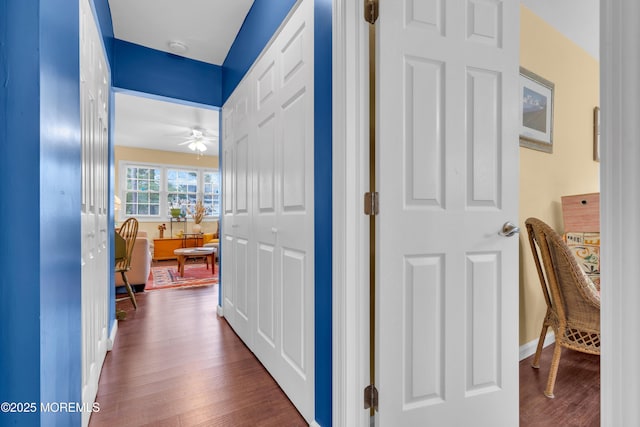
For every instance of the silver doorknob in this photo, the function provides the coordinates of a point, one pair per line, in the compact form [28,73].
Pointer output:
[509,229]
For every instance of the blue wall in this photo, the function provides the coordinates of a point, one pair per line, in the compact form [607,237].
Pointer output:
[262,21]
[105,25]
[40,353]
[19,145]
[141,69]
[323,208]
[40,150]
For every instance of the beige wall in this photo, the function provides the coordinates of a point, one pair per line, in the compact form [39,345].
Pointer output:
[166,158]
[544,178]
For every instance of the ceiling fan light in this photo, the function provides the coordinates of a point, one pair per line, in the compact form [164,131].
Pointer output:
[193,146]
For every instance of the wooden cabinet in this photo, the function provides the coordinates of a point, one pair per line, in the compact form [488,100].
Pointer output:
[163,248]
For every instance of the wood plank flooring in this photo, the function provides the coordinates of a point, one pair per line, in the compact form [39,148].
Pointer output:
[175,363]
[577,391]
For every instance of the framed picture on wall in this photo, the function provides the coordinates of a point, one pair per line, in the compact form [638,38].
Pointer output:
[536,112]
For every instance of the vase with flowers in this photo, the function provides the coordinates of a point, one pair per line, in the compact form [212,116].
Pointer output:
[198,215]
[161,229]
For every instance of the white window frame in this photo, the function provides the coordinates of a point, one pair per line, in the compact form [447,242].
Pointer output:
[123,165]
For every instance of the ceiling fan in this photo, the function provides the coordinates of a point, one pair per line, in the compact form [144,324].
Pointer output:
[198,141]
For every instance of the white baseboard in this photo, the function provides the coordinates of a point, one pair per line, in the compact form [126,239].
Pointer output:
[219,311]
[529,348]
[112,335]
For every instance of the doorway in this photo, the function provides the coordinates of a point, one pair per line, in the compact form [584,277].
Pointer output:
[349,261]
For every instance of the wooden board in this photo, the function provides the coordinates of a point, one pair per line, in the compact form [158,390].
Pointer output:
[581,212]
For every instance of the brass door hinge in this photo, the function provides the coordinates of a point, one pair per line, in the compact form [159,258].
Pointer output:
[371,203]
[371,397]
[371,11]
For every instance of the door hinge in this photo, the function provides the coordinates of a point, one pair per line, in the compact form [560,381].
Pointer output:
[371,397]
[371,203]
[371,11]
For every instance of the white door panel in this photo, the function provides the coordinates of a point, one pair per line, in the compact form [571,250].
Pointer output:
[94,106]
[272,289]
[227,238]
[447,175]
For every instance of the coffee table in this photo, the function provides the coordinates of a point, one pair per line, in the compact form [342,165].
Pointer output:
[200,252]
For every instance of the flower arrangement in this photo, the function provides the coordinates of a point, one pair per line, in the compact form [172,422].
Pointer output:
[198,212]
[161,229]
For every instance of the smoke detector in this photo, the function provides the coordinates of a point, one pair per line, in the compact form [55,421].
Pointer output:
[177,47]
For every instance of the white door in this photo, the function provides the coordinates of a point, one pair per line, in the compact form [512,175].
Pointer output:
[94,105]
[268,238]
[237,220]
[447,324]
[283,208]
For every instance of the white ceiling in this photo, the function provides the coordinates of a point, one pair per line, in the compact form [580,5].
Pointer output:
[578,20]
[160,125]
[206,27]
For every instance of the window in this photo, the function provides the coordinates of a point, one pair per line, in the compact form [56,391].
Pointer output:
[143,191]
[182,188]
[150,191]
[211,196]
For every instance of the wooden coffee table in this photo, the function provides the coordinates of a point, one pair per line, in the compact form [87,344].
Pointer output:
[200,252]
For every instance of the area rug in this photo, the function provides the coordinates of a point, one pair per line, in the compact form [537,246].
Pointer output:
[167,277]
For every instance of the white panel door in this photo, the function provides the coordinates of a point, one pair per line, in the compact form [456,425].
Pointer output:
[227,239]
[268,243]
[293,51]
[266,197]
[448,173]
[242,201]
[94,105]
[237,209]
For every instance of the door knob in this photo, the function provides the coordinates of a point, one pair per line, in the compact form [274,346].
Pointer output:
[509,229]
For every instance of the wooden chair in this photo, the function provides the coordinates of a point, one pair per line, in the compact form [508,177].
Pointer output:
[128,231]
[573,301]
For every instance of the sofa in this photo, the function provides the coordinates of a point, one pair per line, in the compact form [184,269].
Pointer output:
[140,264]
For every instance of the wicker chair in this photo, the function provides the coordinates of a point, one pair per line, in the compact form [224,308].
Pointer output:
[573,301]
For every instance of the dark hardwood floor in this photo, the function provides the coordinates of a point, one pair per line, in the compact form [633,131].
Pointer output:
[175,363]
[577,391]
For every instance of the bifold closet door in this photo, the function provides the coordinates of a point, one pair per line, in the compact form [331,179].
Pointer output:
[276,273]
[94,106]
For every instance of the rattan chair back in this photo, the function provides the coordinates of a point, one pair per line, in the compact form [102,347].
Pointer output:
[573,302]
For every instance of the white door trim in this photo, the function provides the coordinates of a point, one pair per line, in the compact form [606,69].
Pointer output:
[350,225]
[620,155]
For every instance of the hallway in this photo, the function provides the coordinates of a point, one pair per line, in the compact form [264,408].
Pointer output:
[175,363]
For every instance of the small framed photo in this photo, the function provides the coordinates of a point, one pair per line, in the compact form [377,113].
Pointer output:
[596,134]
[536,126]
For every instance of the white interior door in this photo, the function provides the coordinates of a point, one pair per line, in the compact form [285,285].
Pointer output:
[268,240]
[94,105]
[447,346]
[237,224]
[283,212]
